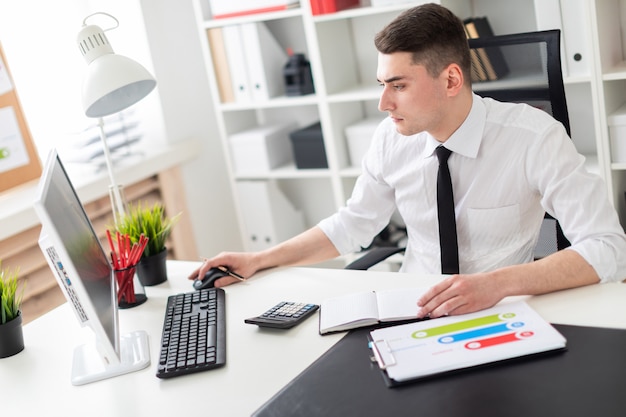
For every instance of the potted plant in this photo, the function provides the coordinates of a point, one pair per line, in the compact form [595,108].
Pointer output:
[11,335]
[153,224]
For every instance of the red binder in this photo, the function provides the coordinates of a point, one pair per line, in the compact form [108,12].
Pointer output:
[319,7]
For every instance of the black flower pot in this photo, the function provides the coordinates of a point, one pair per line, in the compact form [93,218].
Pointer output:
[152,270]
[11,337]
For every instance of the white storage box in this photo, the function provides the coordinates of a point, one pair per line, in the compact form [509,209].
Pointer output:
[262,149]
[359,136]
[617,133]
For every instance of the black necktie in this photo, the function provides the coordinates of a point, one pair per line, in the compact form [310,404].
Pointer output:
[445,211]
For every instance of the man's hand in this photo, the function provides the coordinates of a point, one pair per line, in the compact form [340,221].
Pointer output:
[460,294]
[240,263]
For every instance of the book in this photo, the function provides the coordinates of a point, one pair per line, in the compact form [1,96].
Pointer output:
[478,69]
[220,64]
[508,330]
[483,59]
[492,58]
[368,308]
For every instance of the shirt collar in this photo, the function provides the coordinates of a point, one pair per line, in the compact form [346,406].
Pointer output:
[467,138]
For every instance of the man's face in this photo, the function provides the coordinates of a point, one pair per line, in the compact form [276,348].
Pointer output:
[413,99]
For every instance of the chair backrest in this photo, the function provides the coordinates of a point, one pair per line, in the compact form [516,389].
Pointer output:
[525,67]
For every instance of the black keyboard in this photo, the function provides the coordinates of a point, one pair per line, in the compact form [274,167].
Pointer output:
[194,333]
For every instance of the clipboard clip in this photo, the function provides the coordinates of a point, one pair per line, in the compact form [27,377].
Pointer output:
[379,357]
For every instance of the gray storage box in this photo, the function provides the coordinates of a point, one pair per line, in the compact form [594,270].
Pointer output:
[308,147]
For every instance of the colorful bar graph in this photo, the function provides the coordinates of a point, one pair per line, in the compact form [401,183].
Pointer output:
[463,325]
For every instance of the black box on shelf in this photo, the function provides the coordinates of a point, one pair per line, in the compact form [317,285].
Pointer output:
[308,147]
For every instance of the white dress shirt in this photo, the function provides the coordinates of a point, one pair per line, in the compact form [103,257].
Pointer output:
[510,164]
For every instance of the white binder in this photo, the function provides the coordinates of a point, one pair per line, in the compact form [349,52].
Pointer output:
[266,60]
[268,216]
[237,63]
[548,16]
[576,36]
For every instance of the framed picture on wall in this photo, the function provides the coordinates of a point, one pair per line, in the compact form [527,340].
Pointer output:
[19,161]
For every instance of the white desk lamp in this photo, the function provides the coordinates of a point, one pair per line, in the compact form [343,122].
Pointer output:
[112,84]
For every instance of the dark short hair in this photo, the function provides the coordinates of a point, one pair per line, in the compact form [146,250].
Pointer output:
[433,34]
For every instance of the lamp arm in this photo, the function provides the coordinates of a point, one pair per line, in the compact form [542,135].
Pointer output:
[116,195]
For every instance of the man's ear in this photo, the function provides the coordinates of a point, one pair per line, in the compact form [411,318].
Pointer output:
[454,78]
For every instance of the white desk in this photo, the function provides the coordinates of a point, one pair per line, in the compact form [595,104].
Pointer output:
[259,362]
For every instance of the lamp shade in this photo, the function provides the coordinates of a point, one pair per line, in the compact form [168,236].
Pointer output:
[113,82]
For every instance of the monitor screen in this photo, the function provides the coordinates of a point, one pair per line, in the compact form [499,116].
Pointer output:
[75,254]
[84,273]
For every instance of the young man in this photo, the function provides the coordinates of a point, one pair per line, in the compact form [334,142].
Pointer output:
[509,164]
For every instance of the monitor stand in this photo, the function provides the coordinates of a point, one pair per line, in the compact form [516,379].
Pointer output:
[89,366]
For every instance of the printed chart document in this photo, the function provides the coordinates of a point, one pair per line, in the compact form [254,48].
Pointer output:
[508,330]
[367,308]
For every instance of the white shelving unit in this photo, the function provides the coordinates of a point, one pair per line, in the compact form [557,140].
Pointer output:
[343,59]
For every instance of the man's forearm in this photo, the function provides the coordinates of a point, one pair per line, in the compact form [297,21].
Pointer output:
[561,270]
[306,248]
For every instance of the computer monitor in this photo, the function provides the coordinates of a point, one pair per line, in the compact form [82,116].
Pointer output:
[84,272]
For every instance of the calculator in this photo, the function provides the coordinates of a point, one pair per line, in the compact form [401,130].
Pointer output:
[284,315]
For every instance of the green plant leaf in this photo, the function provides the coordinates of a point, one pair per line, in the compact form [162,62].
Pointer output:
[10,295]
[149,221]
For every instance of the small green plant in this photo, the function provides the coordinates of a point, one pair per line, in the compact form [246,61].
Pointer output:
[10,300]
[149,221]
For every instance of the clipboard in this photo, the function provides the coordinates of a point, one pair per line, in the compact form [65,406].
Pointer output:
[409,352]
[19,160]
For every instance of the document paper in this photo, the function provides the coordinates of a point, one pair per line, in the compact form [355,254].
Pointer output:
[505,331]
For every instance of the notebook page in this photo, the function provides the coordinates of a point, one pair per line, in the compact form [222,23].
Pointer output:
[345,312]
[398,304]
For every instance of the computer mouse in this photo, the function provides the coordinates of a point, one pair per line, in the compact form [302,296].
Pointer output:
[209,279]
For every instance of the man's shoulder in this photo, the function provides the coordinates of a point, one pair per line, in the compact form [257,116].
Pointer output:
[518,115]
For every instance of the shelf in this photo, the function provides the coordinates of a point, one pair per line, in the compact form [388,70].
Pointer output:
[356,93]
[340,49]
[257,17]
[285,172]
[276,102]
[360,12]
[350,172]
[616,72]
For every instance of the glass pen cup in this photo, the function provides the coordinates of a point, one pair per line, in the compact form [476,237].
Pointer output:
[130,292]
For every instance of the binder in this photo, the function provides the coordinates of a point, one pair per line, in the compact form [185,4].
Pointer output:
[220,64]
[237,63]
[576,37]
[548,16]
[265,60]
[479,73]
[331,6]
[492,58]
[268,216]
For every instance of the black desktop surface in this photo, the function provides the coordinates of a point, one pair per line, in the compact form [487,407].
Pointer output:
[588,379]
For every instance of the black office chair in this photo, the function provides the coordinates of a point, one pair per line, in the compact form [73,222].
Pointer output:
[524,67]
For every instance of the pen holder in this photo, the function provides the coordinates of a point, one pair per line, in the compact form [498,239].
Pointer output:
[130,292]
